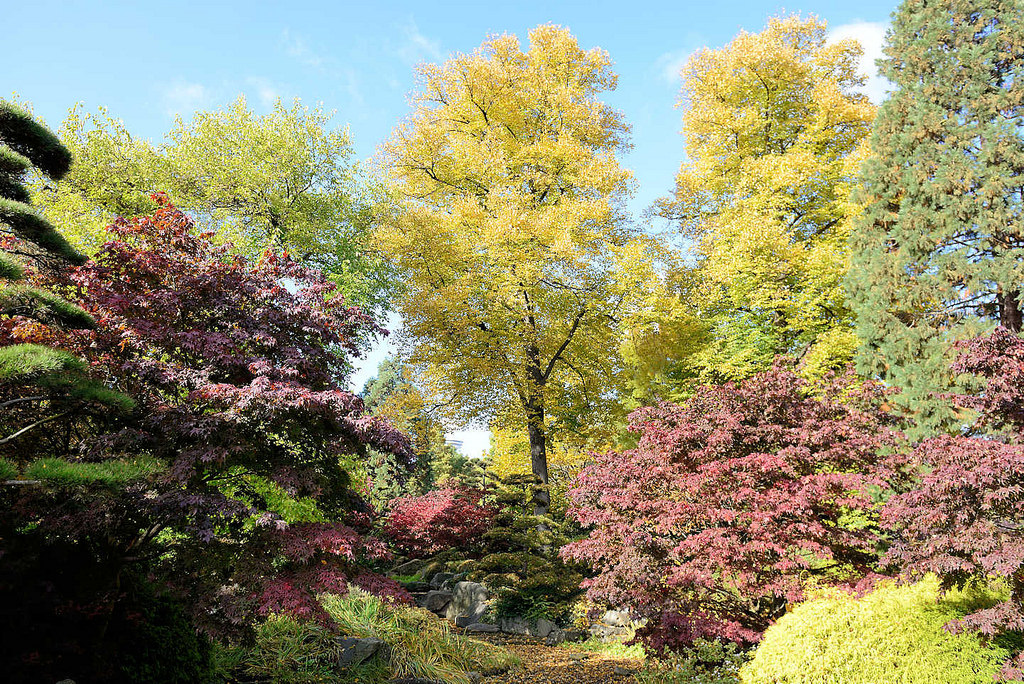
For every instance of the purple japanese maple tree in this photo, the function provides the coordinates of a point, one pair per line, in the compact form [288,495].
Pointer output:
[965,519]
[238,370]
[712,524]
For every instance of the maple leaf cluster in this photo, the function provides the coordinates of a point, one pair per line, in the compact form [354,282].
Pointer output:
[452,517]
[237,369]
[730,502]
[963,520]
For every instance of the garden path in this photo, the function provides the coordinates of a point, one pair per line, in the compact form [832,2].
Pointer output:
[558,665]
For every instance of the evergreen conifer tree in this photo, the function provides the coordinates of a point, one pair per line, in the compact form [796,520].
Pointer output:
[26,236]
[939,252]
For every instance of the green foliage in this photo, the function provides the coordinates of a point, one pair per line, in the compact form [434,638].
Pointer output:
[290,651]
[521,562]
[610,649]
[10,269]
[707,662]
[27,138]
[418,644]
[894,634]
[20,361]
[58,471]
[284,180]
[8,470]
[31,302]
[938,253]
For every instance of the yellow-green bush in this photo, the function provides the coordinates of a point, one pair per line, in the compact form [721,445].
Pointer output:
[893,635]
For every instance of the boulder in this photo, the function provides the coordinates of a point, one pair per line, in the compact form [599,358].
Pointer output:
[408,567]
[575,636]
[438,580]
[482,627]
[468,599]
[543,627]
[435,601]
[516,625]
[616,618]
[352,650]
[555,637]
[464,621]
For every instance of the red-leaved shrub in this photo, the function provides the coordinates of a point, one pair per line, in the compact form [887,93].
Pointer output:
[449,518]
[711,525]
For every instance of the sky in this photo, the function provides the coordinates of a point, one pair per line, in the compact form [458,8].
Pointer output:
[147,63]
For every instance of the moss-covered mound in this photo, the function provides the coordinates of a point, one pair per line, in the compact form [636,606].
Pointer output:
[893,635]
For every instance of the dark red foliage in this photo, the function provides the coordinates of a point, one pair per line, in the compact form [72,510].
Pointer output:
[238,369]
[728,503]
[964,519]
[450,518]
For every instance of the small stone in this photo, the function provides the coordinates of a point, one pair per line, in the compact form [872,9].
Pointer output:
[616,618]
[620,671]
[475,677]
[353,651]
[556,637]
[543,627]
[482,627]
[578,657]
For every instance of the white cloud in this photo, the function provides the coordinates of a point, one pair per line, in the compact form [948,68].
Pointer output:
[871,36]
[184,98]
[266,92]
[670,64]
[416,47]
[295,46]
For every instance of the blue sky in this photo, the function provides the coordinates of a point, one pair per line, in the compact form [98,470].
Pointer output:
[146,62]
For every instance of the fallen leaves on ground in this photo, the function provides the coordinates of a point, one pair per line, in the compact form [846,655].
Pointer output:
[556,665]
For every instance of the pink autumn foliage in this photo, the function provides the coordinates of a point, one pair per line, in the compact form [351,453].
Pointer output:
[963,520]
[448,518]
[711,525]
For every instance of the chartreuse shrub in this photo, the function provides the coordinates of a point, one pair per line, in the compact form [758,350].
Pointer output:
[417,643]
[893,635]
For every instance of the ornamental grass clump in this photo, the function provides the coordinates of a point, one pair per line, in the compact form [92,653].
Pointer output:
[417,644]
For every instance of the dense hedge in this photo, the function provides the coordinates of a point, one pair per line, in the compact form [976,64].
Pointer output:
[894,634]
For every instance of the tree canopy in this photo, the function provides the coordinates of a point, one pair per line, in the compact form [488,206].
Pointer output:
[510,228]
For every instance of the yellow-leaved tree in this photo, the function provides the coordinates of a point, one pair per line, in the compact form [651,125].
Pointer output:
[774,126]
[521,270]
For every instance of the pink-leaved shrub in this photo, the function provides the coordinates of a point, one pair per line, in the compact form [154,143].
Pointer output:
[729,503]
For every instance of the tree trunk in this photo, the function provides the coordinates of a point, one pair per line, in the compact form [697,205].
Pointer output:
[1009,310]
[538,453]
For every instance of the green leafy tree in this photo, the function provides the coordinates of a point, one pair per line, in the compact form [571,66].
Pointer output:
[284,180]
[939,252]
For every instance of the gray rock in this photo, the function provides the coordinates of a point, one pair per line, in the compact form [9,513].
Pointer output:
[575,635]
[616,618]
[464,621]
[516,625]
[578,657]
[416,587]
[620,671]
[408,567]
[469,599]
[438,580]
[352,651]
[435,601]
[475,677]
[66,681]
[482,627]
[543,627]
[555,637]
